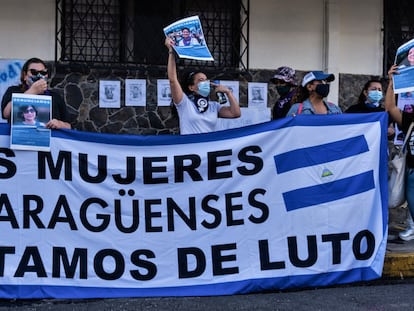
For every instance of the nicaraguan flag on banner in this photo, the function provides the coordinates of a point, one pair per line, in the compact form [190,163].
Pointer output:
[292,203]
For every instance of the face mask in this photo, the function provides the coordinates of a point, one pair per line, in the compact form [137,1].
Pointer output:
[375,96]
[283,90]
[322,89]
[33,79]
[204,88]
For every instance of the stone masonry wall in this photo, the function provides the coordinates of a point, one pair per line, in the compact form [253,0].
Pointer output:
[80,88]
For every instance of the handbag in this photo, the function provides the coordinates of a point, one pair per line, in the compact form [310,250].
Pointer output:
[396,182]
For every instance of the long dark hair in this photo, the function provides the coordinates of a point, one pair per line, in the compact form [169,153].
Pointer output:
[186,79]
[301,94]
[362,97]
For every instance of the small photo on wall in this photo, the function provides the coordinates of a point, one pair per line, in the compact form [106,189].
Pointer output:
[163,92]
[135,92]
[257,95]
[109,94]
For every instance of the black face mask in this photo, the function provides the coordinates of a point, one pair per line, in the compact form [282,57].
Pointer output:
[201,102]
[322,89]
[283,90]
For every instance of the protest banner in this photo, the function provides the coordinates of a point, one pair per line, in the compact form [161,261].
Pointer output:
[296,202]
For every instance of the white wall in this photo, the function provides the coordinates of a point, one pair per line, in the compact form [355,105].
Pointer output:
[292,33]
[361,44]
[27,29]
[281,33]
[285,33]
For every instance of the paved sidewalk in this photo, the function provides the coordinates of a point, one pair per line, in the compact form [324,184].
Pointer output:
[399,257]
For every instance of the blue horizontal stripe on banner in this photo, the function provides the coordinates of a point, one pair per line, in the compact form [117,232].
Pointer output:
[328,192]
[228,288]
[320,154]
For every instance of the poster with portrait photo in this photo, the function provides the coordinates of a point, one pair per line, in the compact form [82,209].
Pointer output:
[109,94]
[29,116]
[257,95]
[135,92]
[188,36]
[404,58]
[163,92]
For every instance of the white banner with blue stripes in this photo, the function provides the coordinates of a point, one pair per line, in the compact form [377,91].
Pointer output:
[297,202]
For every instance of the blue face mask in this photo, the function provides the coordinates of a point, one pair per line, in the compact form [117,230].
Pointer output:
[204,88]
[374,96]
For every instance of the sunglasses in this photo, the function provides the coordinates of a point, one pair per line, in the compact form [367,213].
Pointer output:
[36,72]
[30,110]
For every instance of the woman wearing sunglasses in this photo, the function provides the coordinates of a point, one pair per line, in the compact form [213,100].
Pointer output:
[28,115]
[33,78]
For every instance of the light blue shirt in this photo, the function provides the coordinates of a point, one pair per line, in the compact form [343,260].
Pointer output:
[307,108]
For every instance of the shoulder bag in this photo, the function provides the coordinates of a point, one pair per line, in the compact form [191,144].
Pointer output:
[396,182]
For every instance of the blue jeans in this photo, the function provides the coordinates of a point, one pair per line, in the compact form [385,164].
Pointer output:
[409,190]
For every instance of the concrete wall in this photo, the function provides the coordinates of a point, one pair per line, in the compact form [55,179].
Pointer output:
[299,32]
[281,32]
[27,29]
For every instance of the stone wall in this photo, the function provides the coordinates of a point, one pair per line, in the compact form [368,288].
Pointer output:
[79,86]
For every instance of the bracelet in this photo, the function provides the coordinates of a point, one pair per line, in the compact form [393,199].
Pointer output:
[170,52]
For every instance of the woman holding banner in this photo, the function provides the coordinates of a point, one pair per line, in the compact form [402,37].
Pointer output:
[196,113]
[33,78]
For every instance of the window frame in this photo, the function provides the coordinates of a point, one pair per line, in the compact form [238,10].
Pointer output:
[101,33]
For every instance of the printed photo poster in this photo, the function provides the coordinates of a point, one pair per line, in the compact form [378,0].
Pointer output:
[163,92]
[30,113]
[405,103]
[257,95]
[9,75]
[135,92]
[188,36]
[404,58]
[109,94]
[234,87]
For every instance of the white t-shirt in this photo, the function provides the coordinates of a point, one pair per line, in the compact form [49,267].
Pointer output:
[194,122]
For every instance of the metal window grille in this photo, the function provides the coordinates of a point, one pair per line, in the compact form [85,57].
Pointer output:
[398,28]
[100,32]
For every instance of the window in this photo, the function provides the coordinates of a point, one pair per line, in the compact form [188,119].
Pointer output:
[131,32]
[398,27]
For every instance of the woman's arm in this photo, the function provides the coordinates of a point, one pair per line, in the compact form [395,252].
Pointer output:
[390,103]
[175,87]
[232,111]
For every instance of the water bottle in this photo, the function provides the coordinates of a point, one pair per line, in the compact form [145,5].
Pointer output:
[221,98]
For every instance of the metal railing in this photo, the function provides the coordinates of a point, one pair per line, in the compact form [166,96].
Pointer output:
[128,32]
